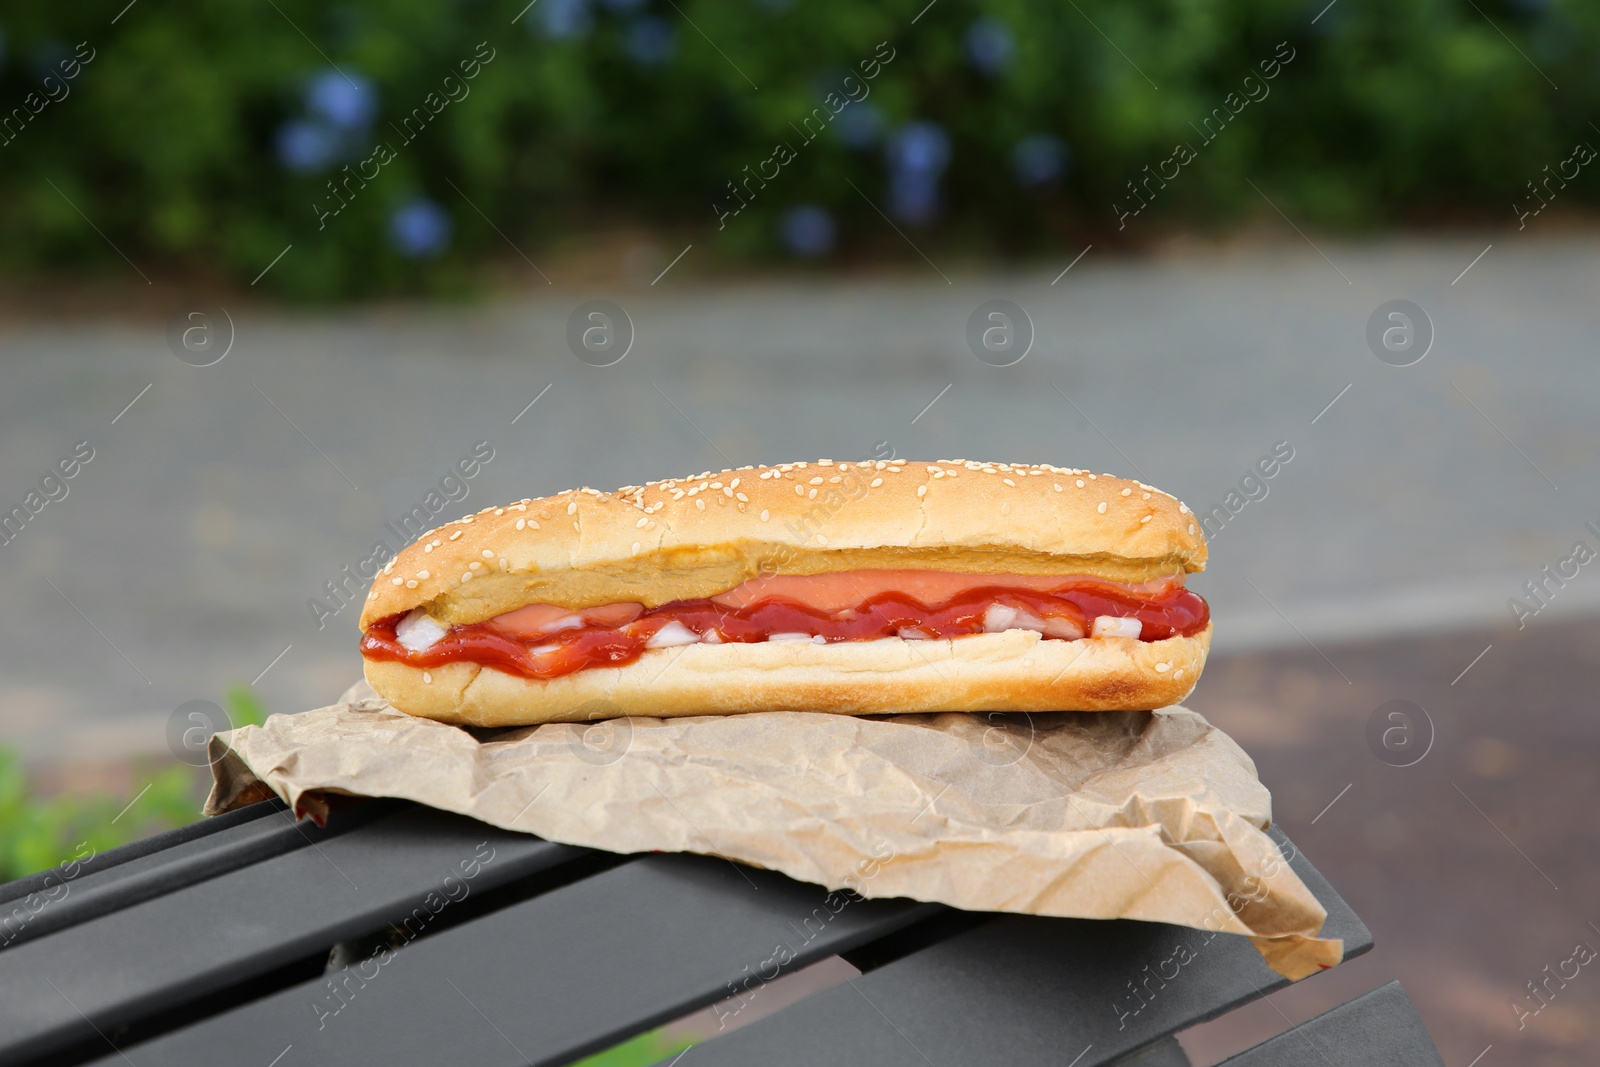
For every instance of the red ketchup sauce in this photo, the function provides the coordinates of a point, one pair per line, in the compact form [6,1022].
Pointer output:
[1174,611]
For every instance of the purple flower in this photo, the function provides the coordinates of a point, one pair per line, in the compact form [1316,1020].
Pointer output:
[921,147]
[859,125]
[306,145]
[1040,159]
[990,46]
[808,230]
[345,102]
[564,18]
[652,41]
[918,154]
[419,229]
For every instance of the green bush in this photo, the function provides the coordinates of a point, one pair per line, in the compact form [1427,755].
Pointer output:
[173,137]
[37,833]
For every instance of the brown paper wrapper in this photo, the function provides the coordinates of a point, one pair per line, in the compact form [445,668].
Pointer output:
[1100,815]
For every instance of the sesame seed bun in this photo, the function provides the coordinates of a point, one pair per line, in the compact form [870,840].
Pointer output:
[696,537]
[1012,671]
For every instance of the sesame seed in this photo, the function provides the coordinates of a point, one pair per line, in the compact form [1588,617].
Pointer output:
[397,581]
[467,577]
[701,504]
[742,498]
[727,491]
[1177,674]
[532,525]
[1163,668]
[1009,482]
[1059,489]
[1146,519]
[1183,509]
[423,574]
[503,565]
[487,554]
[499,511]
[1102,508]
[922,490]
[436,544]
[815,481]
[411,583]
[1145,497]
[1079,483]
[875,483]
[765,514]
[572,508]
[811,495]
[642,523]
[457,534]
[1126,491]
[475,565]
[799,490]
[824,462]
[636,548]
[427,679]
[1191,527]
[734,484]
[428,547]
[522,524]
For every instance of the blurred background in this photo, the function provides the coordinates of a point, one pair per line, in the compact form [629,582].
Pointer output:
[269,271]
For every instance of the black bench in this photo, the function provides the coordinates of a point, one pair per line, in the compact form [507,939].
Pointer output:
[250,939]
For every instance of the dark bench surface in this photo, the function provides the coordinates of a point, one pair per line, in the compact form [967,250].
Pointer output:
[211,945]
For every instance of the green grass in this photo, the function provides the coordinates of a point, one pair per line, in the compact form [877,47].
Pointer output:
[37,832]
[656,1046]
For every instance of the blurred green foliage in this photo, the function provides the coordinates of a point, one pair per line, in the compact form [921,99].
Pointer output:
[196,140]
[37,833]
[645,1050]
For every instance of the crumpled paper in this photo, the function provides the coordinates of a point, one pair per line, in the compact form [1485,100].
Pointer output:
[1104,815]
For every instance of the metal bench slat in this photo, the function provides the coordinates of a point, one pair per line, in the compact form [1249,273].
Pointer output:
[549,979]
[1377,1029]
[163,952]
[1024,991]
[154,845]
[126,876]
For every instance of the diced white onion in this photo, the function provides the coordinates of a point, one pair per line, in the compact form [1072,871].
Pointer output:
[999,618]
[911,633]
[418,632]
[711,637]
[1111,626]
[788,637]
[672,634]
[1062,627]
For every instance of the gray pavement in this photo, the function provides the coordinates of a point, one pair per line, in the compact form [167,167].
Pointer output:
[215,507]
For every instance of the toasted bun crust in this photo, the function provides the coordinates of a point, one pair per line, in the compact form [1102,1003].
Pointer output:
[696,537]
[1012,671]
